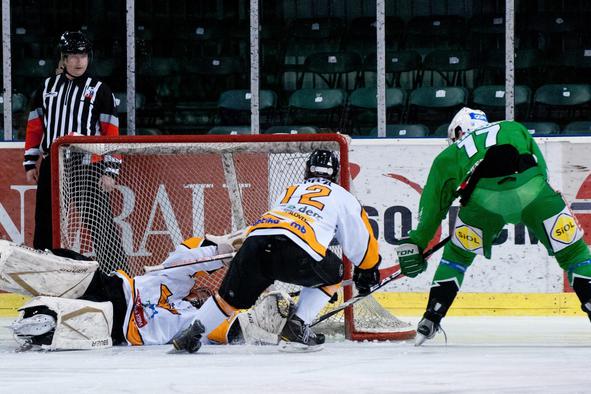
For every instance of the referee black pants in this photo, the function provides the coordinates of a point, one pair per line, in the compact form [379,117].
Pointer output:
[42,237]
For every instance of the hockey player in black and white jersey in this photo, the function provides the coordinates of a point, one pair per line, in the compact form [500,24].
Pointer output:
[290,243]
[75,306]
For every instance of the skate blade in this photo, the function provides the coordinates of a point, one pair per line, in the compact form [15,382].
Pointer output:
[295,347]
[25,347]
[420,339]
[177,351]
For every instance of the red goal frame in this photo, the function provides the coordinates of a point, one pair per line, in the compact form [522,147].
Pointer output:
[351,332]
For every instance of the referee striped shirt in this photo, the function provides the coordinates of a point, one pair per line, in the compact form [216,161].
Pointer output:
[83,105]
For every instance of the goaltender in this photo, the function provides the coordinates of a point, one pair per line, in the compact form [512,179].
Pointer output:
[76,306]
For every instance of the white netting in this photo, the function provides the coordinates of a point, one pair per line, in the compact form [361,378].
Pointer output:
[166,192]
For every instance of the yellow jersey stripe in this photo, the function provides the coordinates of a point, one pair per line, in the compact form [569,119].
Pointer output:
[296,226]
[133,333]
[371,256]
[193,242]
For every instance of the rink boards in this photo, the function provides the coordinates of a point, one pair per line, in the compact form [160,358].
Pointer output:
[388,176]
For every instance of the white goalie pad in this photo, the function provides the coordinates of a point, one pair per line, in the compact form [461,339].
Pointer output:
[80,324]
[263,323]
[35,273]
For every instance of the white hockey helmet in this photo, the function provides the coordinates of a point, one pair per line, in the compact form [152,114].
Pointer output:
[465,121]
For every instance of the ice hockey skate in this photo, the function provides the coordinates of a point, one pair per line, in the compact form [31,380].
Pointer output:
[33,326]
[32,331]
[298,337]
[190,338]
[426,330]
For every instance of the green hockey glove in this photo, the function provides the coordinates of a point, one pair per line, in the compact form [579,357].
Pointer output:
[411,260]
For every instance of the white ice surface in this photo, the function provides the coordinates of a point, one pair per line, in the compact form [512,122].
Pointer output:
[500,355]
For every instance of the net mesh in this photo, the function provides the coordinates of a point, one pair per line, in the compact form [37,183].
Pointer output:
[166,192]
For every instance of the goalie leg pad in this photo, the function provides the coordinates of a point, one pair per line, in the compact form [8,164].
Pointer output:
[78,324]
[35,273]
[264,322]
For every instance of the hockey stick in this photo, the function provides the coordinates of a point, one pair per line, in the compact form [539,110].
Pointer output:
[395,275]
[184,263]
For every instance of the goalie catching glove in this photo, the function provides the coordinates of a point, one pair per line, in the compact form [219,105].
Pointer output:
[410,257]
[365,279]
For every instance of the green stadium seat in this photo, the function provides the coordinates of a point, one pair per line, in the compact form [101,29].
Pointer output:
[362,108]
[562,102]
[362,31]
[206,77]
[578,128]
[440,131]
[158,78]
[433,106]
[321,107]
[402,68]
[542,128]
[334,69]
[450,65]
[230,130]
[19,102]
[121,101]
[491,99]
[487,32]
[304,37]
[436,32]
[234,106]
[528,66]
[29,73]
[291,129]
[403,131]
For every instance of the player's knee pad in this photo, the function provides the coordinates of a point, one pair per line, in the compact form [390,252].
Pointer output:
[468,240]
[36,273]
[330,270]
[564,234]
[79,324]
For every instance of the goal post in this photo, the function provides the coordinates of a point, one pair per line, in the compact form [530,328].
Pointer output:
[170,188]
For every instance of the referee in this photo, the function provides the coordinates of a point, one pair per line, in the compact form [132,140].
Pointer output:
[72,102]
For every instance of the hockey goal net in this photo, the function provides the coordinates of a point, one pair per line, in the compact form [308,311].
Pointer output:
[170,188]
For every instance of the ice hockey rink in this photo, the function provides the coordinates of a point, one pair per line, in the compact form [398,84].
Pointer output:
[487,354]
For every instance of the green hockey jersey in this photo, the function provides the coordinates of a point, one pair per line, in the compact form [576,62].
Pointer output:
[453,166]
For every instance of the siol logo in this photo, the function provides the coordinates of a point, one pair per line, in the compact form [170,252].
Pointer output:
[564,229]
[468,238]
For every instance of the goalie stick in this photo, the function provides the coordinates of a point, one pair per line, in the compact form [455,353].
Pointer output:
[184,263]
[395,275]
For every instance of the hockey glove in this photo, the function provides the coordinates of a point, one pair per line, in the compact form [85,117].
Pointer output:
[411,259]
[366,279]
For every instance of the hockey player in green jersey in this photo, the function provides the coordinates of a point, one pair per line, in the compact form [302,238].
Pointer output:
[498,172]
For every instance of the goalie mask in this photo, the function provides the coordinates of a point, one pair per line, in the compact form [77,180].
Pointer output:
[466,121]
[322,164]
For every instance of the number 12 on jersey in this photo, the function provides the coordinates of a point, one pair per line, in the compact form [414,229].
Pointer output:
[315,192]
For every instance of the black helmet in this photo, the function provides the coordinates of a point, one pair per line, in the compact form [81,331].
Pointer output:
[72,42]
[322,164]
